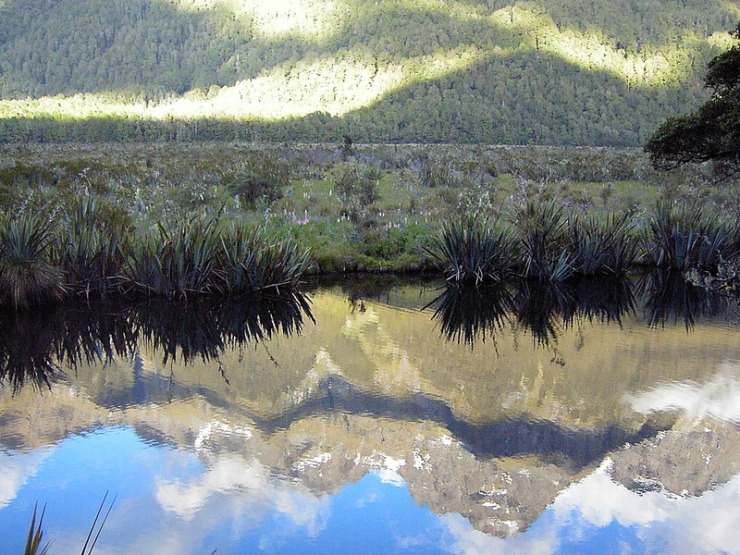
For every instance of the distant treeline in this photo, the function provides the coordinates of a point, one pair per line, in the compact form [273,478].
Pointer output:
[572,72]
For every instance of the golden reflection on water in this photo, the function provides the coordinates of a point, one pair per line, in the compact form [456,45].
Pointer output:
[493,431]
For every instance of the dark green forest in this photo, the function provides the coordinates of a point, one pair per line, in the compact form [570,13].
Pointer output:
[572,72]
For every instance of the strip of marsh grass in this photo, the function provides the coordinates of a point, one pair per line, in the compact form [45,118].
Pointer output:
[414,189]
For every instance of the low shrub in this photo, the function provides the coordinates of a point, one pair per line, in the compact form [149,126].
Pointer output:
[474,250]
[544,239]
[685,238]
[27,274]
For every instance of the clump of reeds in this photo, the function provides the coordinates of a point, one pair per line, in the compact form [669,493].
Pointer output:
[548,246]
[474,250]
[202,258]
[184,259]
[543,232]
[90,253]
[685,238]
[176,261]
[250,260]
[602,245]
[36,533]
[27,274]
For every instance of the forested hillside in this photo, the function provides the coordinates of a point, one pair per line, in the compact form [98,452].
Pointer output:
[593,72]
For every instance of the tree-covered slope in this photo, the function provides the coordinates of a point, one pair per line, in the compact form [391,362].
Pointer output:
[570,72]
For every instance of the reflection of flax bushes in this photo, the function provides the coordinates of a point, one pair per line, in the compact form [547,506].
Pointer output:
[36,343]
[87,255]
[667,297]
[467,312]
[203,328]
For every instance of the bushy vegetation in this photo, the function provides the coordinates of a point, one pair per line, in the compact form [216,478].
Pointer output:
[502,72]
[713,131]
[167,219]
[475,250]
[27,273]
[684,238]
[41,261]
[552,245]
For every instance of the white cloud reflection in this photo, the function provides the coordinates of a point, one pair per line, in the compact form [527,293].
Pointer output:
[662,522]
[249,491]
[17,469]
[704,524]
[717,398]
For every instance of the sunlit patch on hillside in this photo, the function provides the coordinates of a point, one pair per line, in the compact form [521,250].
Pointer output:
[327,84]
[353,77]
[723,40]
[591,52]
[733,8]
[272,19]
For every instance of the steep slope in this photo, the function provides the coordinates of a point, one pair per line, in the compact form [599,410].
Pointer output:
[569,72]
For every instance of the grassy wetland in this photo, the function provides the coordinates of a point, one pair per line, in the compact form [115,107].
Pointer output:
[182,220]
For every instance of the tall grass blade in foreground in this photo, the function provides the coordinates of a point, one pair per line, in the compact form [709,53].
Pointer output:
[92,531]
[474,251]
[27,274]
[36,534]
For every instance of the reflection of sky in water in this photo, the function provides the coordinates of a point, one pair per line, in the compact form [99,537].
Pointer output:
[170,502]
[717,398]
[379,415]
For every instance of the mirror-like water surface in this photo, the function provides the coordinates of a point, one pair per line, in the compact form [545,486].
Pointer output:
[367,419]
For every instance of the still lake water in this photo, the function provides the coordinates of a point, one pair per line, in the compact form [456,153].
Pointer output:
[379,418]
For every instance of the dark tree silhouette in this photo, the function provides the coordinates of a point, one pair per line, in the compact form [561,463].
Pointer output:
[713,131]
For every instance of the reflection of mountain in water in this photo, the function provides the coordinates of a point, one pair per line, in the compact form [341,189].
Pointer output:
[493,432]
[507,438]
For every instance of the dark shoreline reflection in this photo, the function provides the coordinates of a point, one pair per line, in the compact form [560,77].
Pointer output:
[542,308]
[667,297]
[204,328]
[35,344]
[466,313]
